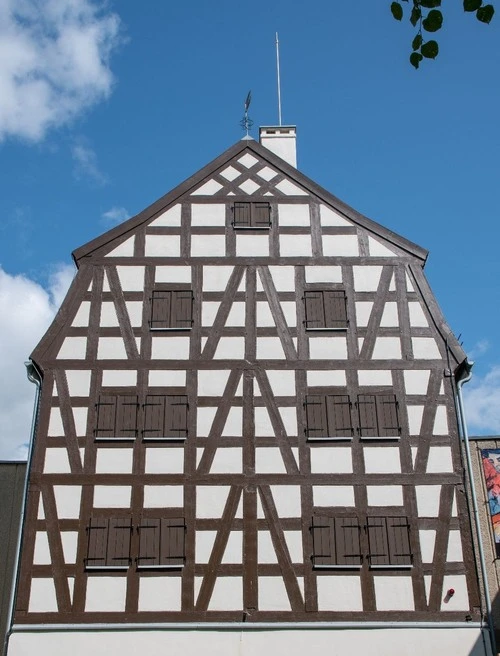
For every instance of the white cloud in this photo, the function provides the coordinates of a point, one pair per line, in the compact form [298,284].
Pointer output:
[54,62]
[482,403]
[26,311]
[115,215]
[86,165]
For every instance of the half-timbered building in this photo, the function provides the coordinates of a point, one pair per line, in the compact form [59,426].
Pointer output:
[247,438]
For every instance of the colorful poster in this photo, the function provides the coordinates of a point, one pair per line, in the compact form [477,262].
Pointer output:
[491,466]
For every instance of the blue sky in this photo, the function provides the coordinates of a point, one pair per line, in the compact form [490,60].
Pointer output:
[104,107]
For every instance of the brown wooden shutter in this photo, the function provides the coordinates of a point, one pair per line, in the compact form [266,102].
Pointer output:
[347,544]
[154,416]
[181,309]
[106,416]
[367,415]
[316,417]
[338,409]
[149,543]
[387,412]
[398,534]
[242,215]
[176,419]
[377,538]
[126,416]
[97,542]
[313,302]
[172,542]
[335,309]
[161,302]
[118,554]
[323,534]
[261,215]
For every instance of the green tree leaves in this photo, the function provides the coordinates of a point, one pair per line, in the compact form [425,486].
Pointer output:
[432,21]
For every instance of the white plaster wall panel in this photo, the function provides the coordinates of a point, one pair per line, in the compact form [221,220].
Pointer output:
[227,460]
[323,377]
[233,553]
[342,245]
[263,426]
[42,596]
[416,381]
[131,278]
[210,500]
[230,173]
[172,217]
[417,316]
[427,542]
[204,545]
[374,377]
[134,309]
[208,214]
[163,496]
[266,553]
[323,273]
[209,311]
[215,278]
[440,460]
[208,189]
[105,593]
[212,382]
[236,316]
[441,388]
[287,500]
[169,348]
[282,382]
[82,315]
[293,541]
[269,348]
[425,348]
[328,348]
[329,217]
[112,496]
[290,189]
[454,506]
[293,215]
[394,593]
[80,418]
[111,348]
[247,160]
[208,245]
[333,495]
[264,315]
[230,348]
[363,311]
[205,417]
[117,378]
[69,541]
[248,245]
[164,461]
[428,500]
[267,174]
[125,249]
[295,246]
[385,495]
[414,450]
[160,593]
[162,246]
[387,348]
[415,414]
[455,553]
[40,514]
[377,249]
[382,460]
[360,343]
[289,309]
[71,586]
[167,378]
[283,278]
[289,418]
[339,593]
[114,461]
[56,461]
[460,600]
[78,382]
[441,421]
[105,283]
[227,594]
[390,315]
[331,460]
[273,594]
[73,348]
[68,501]
[366,278]
[41,555]
[268,460]
[234,422]
[173,274]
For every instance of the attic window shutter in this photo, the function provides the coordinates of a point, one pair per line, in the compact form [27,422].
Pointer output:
[161,309]
[316,417]
[335,309]
[315,318]
[149,543]
[398,533]
[379,545]
[154,416]
[182,309]
[172,542]
[336,542]
[387,411]
[106,416]
[367,415]
[165,417]
[339,415]
[119,542]
[97,542]
[177,416]
[108,543]
[323,534]
[261,215]
[251,215]
[242,215]
[126,416]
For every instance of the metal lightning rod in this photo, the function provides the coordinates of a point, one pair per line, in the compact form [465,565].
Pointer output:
[278,74]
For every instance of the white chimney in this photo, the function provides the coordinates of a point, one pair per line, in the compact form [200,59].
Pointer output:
[281,140]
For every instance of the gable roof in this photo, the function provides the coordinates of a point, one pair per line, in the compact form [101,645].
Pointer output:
[238,149]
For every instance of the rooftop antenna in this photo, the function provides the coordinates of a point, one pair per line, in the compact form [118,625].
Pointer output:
[246,122]
[278,74]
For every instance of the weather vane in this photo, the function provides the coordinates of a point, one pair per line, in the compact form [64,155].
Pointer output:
[246,122]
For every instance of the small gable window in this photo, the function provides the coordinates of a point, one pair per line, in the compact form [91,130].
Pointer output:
[325,310]
[108,543]
[116,417]
[256,215]
[378,416]
[172,309]
[328,417]
[161,543]
[389,542]
[165,417]
[336,542]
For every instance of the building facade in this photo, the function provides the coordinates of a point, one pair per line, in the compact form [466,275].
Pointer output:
[247,437]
